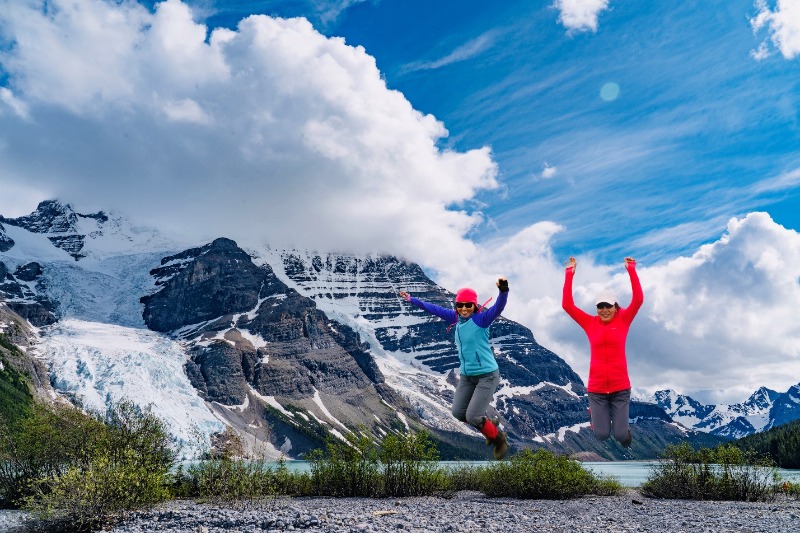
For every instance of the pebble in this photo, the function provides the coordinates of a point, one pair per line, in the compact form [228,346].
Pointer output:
[467,512]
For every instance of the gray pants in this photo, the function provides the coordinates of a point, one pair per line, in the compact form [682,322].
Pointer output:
[605,408]
[473,396]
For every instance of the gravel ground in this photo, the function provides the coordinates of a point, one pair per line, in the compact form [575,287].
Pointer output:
[468,511]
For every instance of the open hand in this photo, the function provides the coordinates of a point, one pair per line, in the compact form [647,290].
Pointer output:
[405,295]
[572,264]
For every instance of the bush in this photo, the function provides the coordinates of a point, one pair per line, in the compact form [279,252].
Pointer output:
[462,476]
[227,480]
[90,496]
[78,471]
[790,489]
[409,465]
[43,445]
[15,395]
[345,468]
[404,465]
[722,473]
[543,475]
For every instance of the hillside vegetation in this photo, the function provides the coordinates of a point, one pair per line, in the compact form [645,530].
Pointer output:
[781,443]
[15,395]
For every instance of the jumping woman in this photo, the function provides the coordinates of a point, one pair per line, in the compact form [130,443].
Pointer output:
[609,387]
[479,373]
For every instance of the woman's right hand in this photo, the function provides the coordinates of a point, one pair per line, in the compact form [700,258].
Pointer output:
[405,295]
[571,264]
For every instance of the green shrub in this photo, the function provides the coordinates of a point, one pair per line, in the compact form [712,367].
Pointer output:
[227,480]
[542,475]
[15,394]
[404,465]
[79,471]
[463,476]
[89,496]
[790,489]
[43,445]
[722,473]
[409,465]
[345,468]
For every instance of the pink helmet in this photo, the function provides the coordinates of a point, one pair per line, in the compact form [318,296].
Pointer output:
[467,295]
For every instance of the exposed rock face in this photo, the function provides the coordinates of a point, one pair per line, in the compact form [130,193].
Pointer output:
[16,330]
[786,407]
[24,293]
[207,283]
[6,242]
[53,217]
[217,371]
[251,337]
[28,272]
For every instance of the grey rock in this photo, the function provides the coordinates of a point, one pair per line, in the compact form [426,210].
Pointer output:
[59,221]
[429,514]
[6,242]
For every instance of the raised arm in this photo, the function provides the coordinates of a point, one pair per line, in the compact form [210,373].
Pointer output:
[567,301]
[442,312]
[485,318]
[636,289]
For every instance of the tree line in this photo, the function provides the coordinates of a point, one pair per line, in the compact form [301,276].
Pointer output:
[781,443]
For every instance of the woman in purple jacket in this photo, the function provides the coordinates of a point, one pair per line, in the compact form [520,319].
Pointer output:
[479,375]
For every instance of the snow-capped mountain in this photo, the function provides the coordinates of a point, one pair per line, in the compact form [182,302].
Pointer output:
[286,347]
[763,410]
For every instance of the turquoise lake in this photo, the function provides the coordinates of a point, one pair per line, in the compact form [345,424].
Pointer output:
[628,473]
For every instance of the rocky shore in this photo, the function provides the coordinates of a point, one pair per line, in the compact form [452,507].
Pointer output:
[468,512]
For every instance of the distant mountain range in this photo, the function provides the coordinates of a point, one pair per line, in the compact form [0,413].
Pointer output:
[290,347]
[764,409]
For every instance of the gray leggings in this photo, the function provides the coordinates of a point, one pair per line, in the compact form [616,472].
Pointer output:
[605,408]
[473,396]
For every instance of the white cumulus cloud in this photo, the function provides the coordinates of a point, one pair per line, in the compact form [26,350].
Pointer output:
[580,15]
[269,133]
[783,25]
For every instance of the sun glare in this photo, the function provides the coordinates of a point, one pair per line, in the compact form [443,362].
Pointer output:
[609,91]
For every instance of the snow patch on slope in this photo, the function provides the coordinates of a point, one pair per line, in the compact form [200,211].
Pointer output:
[98,364]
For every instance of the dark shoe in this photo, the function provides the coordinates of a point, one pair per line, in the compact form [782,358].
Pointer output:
[627,442]
[500,445]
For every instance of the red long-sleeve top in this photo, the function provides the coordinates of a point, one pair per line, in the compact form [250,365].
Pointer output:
[608,366]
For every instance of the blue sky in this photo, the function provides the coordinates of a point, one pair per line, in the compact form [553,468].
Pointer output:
[476,138]
[689,126]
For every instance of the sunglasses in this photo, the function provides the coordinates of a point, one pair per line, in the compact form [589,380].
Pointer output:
[604,305]
[459,305]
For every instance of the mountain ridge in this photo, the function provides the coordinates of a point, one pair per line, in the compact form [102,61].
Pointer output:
[286,346]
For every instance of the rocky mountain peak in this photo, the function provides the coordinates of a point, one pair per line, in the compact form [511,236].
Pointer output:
[59,222]
[6,242]
[762,398]
[206,283]
[24,293]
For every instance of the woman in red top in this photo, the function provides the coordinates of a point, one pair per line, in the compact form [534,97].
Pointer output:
[609,387]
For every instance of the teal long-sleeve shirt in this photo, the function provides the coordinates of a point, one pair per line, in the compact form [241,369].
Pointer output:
[471,334]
